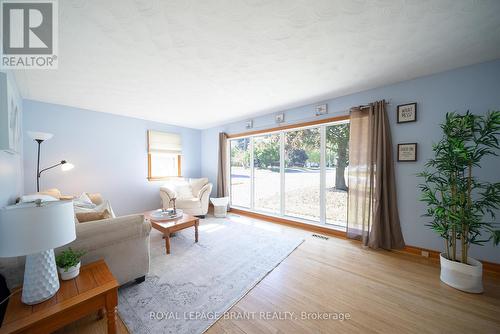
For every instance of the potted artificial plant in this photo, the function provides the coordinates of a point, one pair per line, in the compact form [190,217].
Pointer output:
[459,204]
[68,263]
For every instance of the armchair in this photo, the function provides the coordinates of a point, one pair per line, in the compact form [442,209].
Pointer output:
[192,195]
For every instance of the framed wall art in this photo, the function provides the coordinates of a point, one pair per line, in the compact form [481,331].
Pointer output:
[407,112]
[407,152]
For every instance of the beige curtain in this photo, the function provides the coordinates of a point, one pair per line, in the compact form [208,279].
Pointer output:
[222,187]
[373,214]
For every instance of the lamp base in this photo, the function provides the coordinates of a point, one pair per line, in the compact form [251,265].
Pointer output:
[40,277]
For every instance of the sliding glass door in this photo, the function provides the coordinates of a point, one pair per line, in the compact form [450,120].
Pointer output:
[240,174]
[302,174]
[299,173]
[336,168]
[266,162]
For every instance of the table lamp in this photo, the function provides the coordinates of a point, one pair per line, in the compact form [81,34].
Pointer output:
[35,229]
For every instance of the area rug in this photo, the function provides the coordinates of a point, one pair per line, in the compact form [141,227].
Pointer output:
[188,290]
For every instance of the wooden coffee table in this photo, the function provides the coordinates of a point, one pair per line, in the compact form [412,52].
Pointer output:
[171,226]
[94,290]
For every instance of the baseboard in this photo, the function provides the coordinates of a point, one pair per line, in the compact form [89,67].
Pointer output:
[413,250]
[292,223]
[433,254]
[424,252]
[491,267]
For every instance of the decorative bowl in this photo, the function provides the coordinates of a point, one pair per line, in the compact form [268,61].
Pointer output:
[166,214]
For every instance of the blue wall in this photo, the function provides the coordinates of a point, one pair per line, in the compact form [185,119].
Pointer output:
[109,153]
[474,87]
[11,165]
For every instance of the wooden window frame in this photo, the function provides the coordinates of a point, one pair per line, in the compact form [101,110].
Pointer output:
[290,126]
[160,178]
[321,123]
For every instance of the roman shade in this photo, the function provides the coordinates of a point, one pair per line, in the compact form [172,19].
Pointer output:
[164,142]
[164,154]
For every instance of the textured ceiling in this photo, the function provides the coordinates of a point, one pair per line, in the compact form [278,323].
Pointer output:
[203,63]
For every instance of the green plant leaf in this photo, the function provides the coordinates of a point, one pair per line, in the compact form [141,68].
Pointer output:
[454,198]
[68,258]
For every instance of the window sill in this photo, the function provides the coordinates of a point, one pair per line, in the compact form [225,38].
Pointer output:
[165,178]
[334,230]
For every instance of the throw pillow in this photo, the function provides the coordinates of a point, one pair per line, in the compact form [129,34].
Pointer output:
[84,202]
[99,208]
[184,191]
[96,198]
[84,217]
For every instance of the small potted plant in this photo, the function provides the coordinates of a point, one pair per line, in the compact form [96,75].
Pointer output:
[460,206]
[68,263]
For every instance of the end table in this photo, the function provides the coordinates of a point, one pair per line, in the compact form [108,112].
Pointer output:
[94,290]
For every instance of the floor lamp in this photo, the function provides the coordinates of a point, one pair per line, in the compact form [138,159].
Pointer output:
[40,137]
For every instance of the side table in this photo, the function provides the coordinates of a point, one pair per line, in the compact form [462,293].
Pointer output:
[94,290]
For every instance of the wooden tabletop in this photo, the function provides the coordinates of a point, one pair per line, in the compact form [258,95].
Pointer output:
[94,289]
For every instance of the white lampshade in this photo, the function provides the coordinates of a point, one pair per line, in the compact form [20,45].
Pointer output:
[40,135]
[27,228]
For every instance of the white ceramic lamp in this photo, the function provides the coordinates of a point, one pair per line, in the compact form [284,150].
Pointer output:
[34,230]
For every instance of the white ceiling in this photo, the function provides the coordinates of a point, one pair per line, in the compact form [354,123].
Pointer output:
[204,63]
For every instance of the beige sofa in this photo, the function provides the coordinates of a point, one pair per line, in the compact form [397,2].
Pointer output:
[123,242]
[191,195]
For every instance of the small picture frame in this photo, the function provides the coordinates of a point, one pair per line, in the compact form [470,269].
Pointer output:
[407,152]
[407,112]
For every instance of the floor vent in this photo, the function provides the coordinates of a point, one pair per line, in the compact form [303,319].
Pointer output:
[320,236]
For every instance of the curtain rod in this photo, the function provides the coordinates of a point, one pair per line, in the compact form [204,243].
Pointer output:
[268,127]
[364,106]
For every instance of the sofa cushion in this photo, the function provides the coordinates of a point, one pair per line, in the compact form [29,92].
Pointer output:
[197,184]
[84,217]
[191,203]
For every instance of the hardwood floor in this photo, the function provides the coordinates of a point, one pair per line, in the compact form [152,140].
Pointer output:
[382,292]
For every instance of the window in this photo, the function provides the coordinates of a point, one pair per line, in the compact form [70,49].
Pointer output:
[164,155]
[299,172]
[337,164]
[302,173]
[240,172]
[266,162]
